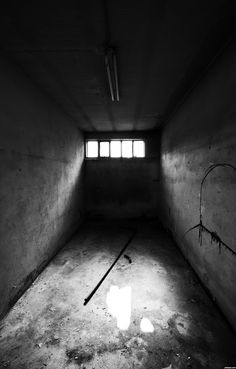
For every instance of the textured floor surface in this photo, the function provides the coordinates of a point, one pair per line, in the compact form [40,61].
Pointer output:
[150,312]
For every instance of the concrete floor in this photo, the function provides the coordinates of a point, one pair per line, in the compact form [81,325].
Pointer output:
[50,327]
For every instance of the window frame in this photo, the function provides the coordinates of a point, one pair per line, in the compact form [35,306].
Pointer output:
[115,158]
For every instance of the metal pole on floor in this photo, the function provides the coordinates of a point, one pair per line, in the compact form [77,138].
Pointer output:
[88,298]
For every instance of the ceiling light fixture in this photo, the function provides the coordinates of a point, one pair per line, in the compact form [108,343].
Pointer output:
[112,74]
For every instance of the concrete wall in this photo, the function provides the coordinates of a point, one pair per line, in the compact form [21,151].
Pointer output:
[41,156]
[203,133]
[124,188]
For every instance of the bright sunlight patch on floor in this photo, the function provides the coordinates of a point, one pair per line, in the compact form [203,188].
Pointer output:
[146,326]
[119,305]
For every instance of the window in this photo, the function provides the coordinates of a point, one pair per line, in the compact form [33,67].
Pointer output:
[115,149]
[104,149]
[139,149]
[127,149]
[92,149]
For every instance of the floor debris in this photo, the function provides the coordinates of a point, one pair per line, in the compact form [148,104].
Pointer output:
[128,258]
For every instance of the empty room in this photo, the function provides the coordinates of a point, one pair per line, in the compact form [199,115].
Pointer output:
[117,184]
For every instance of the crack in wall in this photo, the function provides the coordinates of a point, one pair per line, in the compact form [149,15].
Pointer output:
[200,226]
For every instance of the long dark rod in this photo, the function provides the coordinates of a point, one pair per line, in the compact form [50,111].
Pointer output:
[108,271]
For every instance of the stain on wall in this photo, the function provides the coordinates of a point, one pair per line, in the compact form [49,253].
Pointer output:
[199,137]
[215,238]
[41,156]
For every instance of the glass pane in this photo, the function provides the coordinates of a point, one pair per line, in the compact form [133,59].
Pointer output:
[115,149]
[92,149]
[139,149]
[127,149]
[104,149]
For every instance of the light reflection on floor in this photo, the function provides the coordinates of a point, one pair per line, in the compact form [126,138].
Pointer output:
[146,326]
[119,306]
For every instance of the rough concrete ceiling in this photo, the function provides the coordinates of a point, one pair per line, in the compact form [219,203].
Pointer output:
[162,49]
